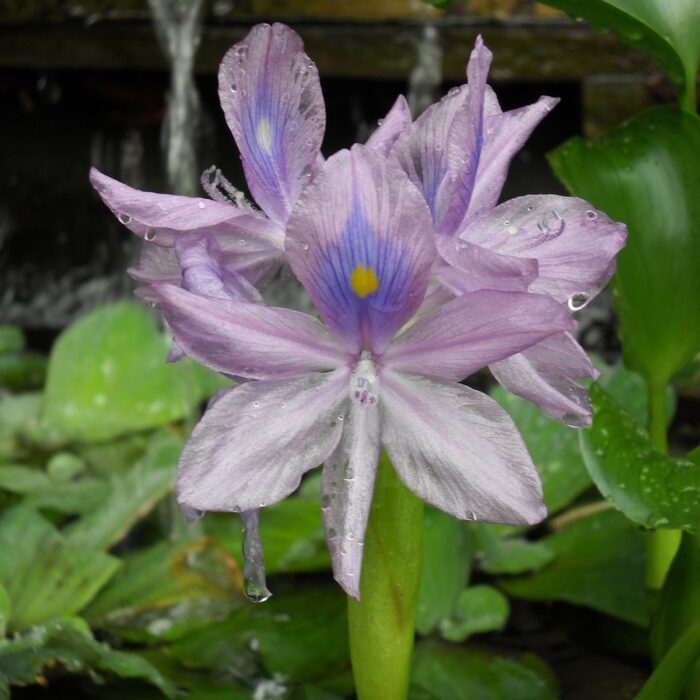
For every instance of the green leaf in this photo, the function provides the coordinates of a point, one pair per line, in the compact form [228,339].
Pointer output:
[598,562]
[69,643]
[446,566]
[458,673]
[131,495]
[645,174]
[5,609]
[650,488]
[166,590]
[554,450]
[44,574]
[11,339]
[668,30]
[107,376]
[505,555]
[291,532]
[671,675]
[479,609]
[301,634]
[22,371]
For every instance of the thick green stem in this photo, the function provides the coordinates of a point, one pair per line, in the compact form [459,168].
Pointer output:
[661,544]
[688,96]
[382,624]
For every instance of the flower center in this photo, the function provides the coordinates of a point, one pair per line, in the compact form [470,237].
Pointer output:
[364,382]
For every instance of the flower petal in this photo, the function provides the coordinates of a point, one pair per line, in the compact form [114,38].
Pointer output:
[360,240]
[247,340]
[505,133]
[546,374]
[160,218]
[575,245]
[440,151]
[347,487]
[271,97]
[463,335]
[252,446]
[459,450]
[397,120]
[204,271]
[471,267]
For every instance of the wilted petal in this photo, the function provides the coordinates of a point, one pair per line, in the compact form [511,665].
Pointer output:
[459,450]
[397,120]
[473,330]
[245,339]
[252,446]
[346,492]
[546,374]
[204,271]
[161,218]
[271,97]
[360,240]
[440,151]
[470,268]
[505,133]
[575,244]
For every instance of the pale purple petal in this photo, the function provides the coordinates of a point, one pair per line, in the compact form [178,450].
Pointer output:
[161,218]
[546,374]
[271,97]
[360,240]
[440,151]
[397,120]
[575,244]
[505,133]
[252,446]
[245,339]
[458,450]
[346,492]
[470,268]
[473,330]
[204,271]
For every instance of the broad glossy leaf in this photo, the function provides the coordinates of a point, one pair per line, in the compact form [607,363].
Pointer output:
[131,495]
[650,488]
[291,532]
[554,450]
[671,675]
[508,555]
[44,574]
[479,609]
[107,376]
[301,634]
[645,174]
[669,30]
[446,567]
[69,643]
[599,563]
[456,673]
[166,590]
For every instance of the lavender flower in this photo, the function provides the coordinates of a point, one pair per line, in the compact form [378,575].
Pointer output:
[338,393]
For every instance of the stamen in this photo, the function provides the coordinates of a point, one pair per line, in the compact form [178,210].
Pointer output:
[364,281]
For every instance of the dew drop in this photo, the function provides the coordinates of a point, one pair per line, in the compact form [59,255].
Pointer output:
[242,242]
[201,205]
[454,91]
[512,230]
[578,301]
[325,501]
[256,404]
[234,88]
[124,218]
[380,122]
[151,234]
[331,533]
[591,215]
[552,224]
[341,417]
[438,146]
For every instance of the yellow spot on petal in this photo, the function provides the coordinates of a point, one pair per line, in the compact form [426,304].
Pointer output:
[264,135]
[364,281]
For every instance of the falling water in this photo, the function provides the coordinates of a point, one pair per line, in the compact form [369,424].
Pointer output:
[179,28]
[426,76]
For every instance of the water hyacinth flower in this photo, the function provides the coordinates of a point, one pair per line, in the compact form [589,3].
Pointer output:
[338,392]
[457,153]
[271,97]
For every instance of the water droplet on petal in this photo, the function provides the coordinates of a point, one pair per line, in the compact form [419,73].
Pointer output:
[201,205]
[256,404]
[380,122]
[151,234]
[552,224]
[325,501]
[438,146]
[454,91]
[591,215]
[124,218]
[512,230]
[578,301]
